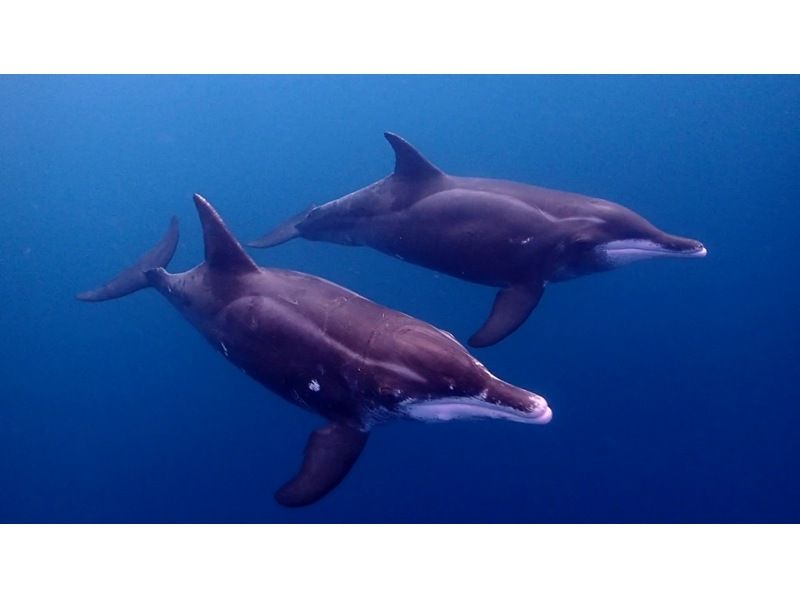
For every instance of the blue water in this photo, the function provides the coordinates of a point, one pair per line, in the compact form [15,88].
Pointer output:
[673,383]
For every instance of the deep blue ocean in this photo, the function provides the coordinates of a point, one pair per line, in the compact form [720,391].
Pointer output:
[673,383]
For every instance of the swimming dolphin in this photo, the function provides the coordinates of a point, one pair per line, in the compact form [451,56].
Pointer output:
[494,232]
[324,348]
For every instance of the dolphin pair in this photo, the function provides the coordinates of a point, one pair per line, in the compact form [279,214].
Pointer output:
[494,232]
[357,363]
[324,348]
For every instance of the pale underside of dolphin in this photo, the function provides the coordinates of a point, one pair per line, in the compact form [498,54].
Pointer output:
[500,233]
[324,348]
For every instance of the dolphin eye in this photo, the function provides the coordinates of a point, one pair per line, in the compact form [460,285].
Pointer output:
[582,243]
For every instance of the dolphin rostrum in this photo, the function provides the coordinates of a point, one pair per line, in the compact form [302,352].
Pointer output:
[494,232]
[323,348]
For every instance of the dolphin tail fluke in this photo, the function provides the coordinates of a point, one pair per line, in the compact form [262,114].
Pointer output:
[285,232]
[330,454]
[511,308]
[134,278]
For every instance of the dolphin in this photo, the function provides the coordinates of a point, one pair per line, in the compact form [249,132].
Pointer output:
[494,232]
[322,348]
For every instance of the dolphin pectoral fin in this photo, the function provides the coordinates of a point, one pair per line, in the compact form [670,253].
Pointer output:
[285,232]
[512,306]
[134,278]
[330,453]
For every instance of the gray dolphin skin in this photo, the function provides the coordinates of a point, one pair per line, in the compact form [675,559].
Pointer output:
[493,232]
[323,348]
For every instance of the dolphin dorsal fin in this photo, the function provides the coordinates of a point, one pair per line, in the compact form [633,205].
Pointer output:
[408,162]
[223,251]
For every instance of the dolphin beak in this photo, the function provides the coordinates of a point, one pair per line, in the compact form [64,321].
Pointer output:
[523,407]
[700,251]
[625,251]
[695,251]
[510,404]
[682,247]
[543,414]
[502,400]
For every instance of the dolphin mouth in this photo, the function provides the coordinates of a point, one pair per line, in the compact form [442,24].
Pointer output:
[632,250]
[444,409]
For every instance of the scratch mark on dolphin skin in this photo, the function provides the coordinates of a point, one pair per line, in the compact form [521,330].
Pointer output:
[314,386]
[224,348]
[334,305]
[298,399]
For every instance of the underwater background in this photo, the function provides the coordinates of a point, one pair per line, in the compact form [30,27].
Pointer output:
[673,383]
